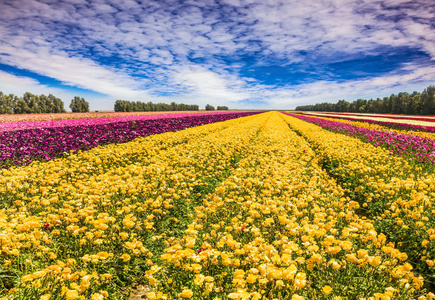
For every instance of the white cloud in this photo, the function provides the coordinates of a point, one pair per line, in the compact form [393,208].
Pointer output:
[207,87]
[74,71]
[329,91]
[107,45]
[18,85]
[7,79]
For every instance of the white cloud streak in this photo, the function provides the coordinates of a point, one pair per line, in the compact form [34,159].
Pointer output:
[19,85]
[136,50]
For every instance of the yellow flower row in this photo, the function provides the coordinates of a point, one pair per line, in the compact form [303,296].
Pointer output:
[233,210]
[76,227]
[397,195]
[280,228]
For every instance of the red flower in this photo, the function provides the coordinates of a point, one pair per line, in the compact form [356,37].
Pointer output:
[46,227]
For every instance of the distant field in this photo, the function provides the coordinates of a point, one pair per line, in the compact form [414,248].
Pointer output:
[403,119]
[70,115]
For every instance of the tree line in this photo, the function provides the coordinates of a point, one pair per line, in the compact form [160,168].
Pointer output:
[127,106]
[30,104]
[211,107]
[403,103]
[36,104]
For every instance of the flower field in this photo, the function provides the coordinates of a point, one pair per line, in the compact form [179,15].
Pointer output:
[262,206]
[396,194]
[86,119]
[385,118]
[414,145]
[6,119]
[422,127]
[423,131]
[47,140]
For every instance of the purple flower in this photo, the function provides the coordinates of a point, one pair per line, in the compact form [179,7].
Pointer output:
[21,147]
[410,146]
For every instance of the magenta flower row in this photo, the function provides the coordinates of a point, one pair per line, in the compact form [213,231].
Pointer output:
[11,126]
[393,125]
[21,147]
[389,116]
[413,147]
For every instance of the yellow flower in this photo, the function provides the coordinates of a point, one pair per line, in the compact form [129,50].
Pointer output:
[334,250]
[300,280]
[362,253]
[104,293]
[251,278]
[125,257]
[105,276]
[196,268]
[190,242]
[71,294]
[97,296]
[86,258]
[375,261]
[186,293]
[45,297]
[199,279]
[151,296]
[104,255]
[327,289]
[335,265]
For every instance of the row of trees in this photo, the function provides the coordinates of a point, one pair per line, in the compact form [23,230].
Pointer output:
[211,107]
[124,105]
[403,103]
[34,104]
[30,104]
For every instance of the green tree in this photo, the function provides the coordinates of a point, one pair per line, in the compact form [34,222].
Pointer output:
[30,107]
[21,107]
[414,104]
[6,103]
[428,101]
[58,105]
[119,106]
[79,105]
[209,107]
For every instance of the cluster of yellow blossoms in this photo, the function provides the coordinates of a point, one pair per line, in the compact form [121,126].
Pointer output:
[379,127]
[396,194]
[234,210]
[279,228]
[108,209]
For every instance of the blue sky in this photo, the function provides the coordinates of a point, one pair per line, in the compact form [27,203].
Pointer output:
[246,54]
